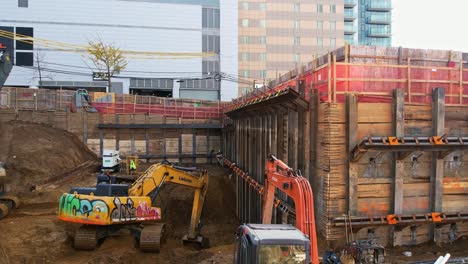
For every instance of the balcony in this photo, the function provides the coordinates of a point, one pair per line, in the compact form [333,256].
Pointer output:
[379,32]
[349,39]
[379,5]
[349,29]
[380,19]
[350,3]
[349,15]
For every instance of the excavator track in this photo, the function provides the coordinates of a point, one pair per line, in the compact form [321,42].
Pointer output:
[151,237]
[11,201]
[85,238]
[3,211]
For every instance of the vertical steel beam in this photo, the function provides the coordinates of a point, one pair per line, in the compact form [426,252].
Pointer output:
[398,130]
[300,141]
[194,147]
[179,131]
[352,128]
[117,133]
[437,164]
[85,127]
[132,136]
[224,149]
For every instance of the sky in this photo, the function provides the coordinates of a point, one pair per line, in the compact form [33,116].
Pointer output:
[430,24]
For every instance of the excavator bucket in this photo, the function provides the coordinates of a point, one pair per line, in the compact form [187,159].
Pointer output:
[198,243]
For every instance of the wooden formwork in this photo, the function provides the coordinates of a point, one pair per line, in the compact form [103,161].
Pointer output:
[356,92]
[186,143]
[378,185]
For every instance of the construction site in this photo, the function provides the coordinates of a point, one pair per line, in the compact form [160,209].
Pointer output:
[363,152]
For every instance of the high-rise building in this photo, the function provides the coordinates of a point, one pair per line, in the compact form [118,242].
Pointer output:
[276,36]
[167,27]
[368,22]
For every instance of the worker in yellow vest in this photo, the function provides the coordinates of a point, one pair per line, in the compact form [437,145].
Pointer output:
[133,166]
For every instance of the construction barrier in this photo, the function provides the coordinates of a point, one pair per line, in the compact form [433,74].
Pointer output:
[373,83]
[109,103]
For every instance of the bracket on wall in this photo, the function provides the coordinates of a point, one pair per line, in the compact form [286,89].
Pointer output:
[404,146]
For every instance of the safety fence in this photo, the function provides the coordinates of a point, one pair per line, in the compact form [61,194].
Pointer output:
[372,82]
[109,103]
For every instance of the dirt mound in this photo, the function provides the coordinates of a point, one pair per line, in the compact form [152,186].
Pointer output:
[218,217]
[34,152]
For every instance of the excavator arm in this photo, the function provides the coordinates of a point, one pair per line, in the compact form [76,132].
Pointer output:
[151,181]
[279,175]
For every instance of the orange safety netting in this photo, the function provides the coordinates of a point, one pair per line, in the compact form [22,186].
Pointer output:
[375,83]
[186,112]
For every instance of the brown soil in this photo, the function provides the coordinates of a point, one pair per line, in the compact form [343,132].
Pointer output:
[35,235]
[34,152]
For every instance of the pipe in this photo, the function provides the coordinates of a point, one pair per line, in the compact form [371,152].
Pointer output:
[442,260]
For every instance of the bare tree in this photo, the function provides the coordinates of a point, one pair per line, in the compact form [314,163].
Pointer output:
[39,60]
[106,58]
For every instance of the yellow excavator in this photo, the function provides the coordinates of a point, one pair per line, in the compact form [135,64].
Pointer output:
[109,207]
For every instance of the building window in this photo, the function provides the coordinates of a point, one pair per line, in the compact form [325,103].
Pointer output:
[297,7]
[320,42]
[262,56]
[363,14]
[333,9]
[297,57]
[297,41]
[319,24]
[262,6]
[262,40]
[319,8]
[263,74]
[245,22]
[245,39]
[245,5]
[210,18]
[23,3]
[297,24]
[261,23]
[245,56]
[245,73]
[210,43]
[332,25]
[24,58]
[333,42]
[23,38]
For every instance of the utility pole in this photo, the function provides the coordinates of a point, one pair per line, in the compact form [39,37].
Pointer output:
[38,61]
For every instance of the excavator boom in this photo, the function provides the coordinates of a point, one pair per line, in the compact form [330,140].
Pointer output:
[280,176]
[150,182]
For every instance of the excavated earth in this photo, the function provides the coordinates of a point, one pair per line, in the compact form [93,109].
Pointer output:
[33,234]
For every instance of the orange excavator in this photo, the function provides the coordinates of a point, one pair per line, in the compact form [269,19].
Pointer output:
[267,243]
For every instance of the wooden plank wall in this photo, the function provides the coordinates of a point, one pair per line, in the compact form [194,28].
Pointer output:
[376,185]
[178,144]
[367,187]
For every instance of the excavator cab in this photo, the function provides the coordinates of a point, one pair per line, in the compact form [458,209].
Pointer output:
[271,244]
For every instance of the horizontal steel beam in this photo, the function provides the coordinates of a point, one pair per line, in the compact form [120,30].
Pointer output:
[443,145]
[400,220]
[173,156]
[161,126]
